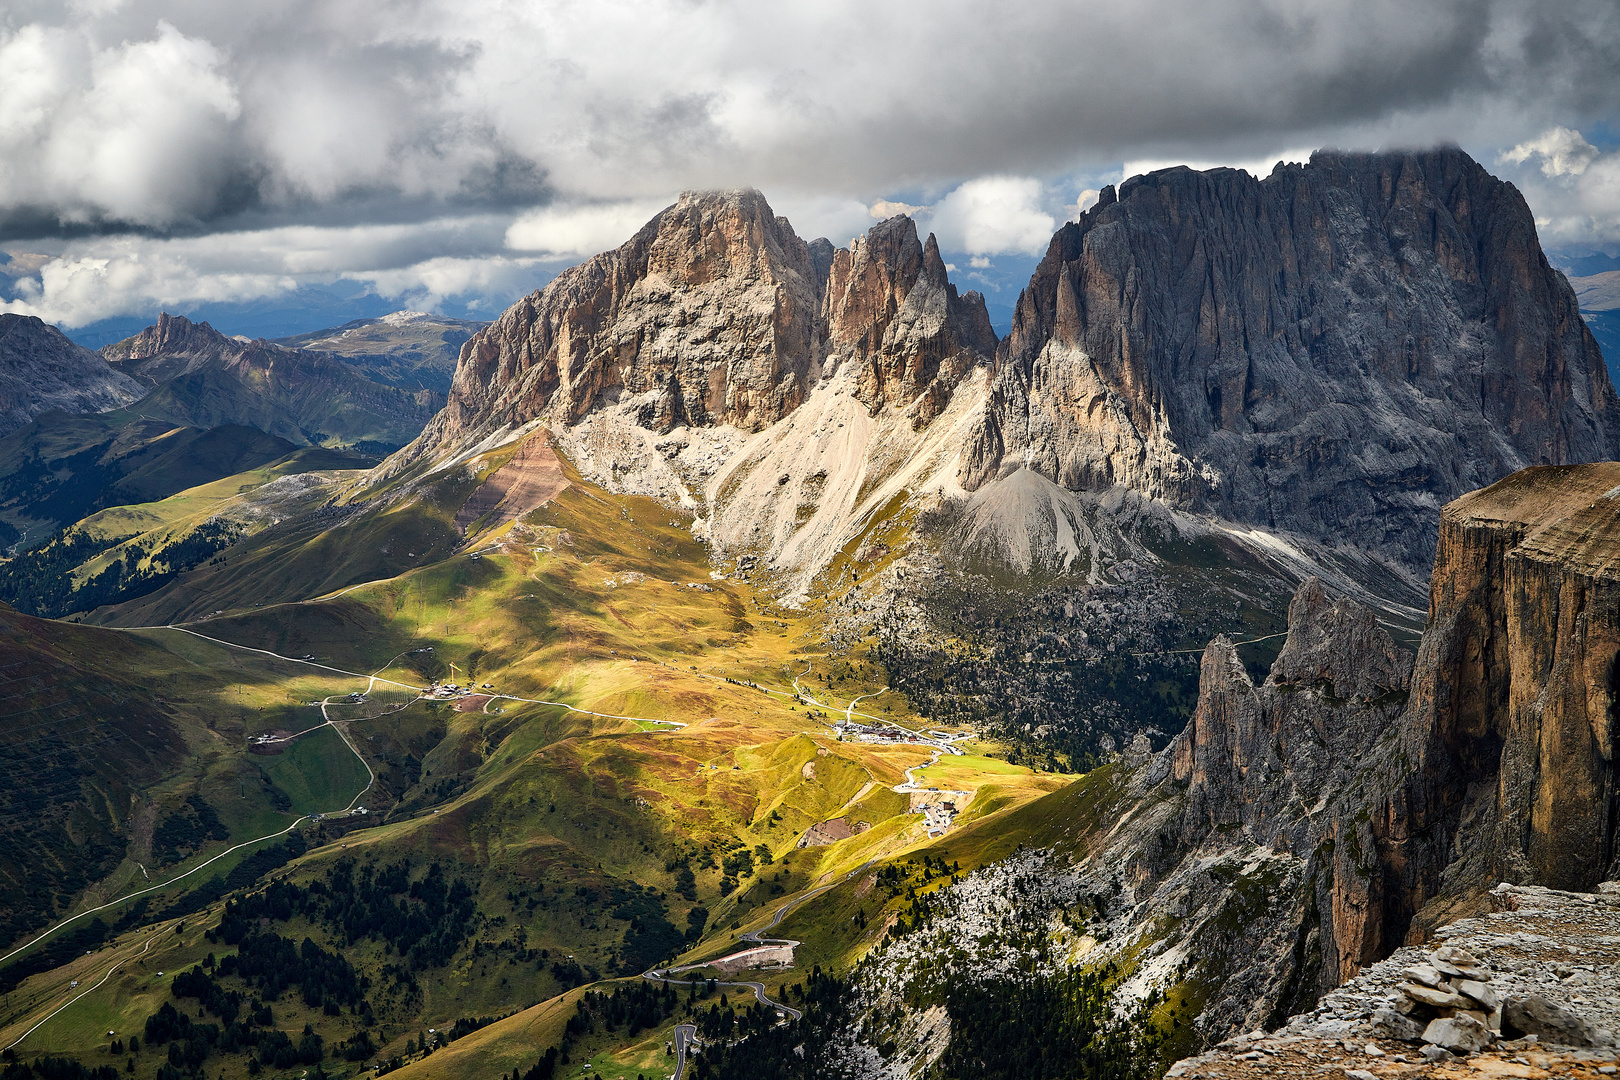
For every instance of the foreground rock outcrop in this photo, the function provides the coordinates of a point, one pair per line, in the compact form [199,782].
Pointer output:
[1545,999]
[1298,832]
[41,370]
[1337,350]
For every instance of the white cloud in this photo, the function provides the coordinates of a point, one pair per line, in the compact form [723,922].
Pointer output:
[993,215]
[1572,186]
[194,115]
[166,111]
[140,131]
[433,280]
[1559,151]
[561,232]
[884,209]
[95,279]
[836,217]
[1256,165]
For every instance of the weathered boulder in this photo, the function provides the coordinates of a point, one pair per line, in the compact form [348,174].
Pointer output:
[1461,1034]
[1547,1020]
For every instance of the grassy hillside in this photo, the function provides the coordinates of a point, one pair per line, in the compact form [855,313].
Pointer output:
[133,549]
[631,787]
[61,468]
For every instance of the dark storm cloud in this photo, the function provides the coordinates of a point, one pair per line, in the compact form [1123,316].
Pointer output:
[215,110]
[153,118]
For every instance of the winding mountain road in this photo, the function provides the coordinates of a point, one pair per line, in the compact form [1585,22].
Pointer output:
[686,1033]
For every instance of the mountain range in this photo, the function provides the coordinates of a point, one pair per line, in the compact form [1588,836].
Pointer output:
[738,602]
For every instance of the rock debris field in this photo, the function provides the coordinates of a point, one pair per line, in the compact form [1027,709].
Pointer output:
[1530,989]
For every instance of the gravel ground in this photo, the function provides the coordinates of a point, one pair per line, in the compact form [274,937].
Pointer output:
[1559,945]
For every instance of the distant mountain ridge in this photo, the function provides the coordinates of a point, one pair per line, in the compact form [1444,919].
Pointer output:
[201,378]
[412,350]
[41,370]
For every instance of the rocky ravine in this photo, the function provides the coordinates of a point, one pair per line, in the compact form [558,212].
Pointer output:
[1374,805]
[41,370]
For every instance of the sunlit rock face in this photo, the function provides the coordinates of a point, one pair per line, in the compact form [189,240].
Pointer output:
[717,313]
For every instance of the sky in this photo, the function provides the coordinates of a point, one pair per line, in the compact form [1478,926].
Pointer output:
[450,155]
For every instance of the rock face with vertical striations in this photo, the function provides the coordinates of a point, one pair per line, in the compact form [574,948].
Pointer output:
[891,309]
[717,313]
[41,370]
[1506,765]
[1361,797]
[707,315]
[1337,350]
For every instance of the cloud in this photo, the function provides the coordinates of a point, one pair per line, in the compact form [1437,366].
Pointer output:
[559,231]
[552,126]
[93,279]
[884,209]
[813,214]
[164,114]
[993,215]
[1560,152]
[1572,185]
[140,132]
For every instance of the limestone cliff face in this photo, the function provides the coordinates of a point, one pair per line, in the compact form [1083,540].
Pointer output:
[707,315]
[41,370]
[1267,765]
[1384,794]
[1337,350]
[1516,694]
[1259,757]
[890,308]
[717,313]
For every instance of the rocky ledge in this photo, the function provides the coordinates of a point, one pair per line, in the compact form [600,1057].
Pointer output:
[1531,989]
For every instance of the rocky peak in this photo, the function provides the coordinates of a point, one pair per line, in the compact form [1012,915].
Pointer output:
[1254,755]
[1338,349]
[706,315]
[1518,683]
[1339,647]
[170,334]
[716,312]
[1383,816]
[41,370]
[890,307]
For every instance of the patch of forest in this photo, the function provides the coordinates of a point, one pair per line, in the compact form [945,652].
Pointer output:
[40,582]
[1047,1027]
